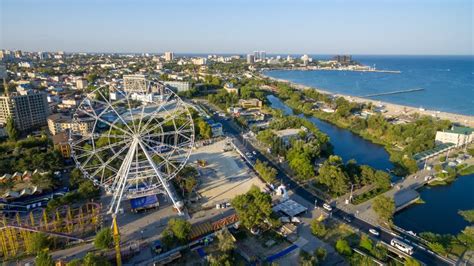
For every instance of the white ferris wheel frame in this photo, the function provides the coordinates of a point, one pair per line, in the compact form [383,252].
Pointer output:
[139,138]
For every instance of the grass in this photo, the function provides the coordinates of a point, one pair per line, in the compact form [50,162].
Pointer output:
[467,171]
[367,195]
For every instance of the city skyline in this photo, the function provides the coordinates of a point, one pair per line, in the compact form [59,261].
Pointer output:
[363,28]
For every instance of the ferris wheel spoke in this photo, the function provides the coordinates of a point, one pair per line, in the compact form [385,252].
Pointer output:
[169,118]
[95,116]
[111,159]
[161,144]
[108,104]
[131,114]
[155,112]
[144,128]
[101,149]
[158,154]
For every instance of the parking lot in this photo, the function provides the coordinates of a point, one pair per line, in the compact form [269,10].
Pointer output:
[225,174]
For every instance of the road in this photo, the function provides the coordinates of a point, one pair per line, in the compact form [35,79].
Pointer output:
[422,254]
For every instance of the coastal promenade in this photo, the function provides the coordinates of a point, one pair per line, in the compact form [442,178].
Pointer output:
[392,110]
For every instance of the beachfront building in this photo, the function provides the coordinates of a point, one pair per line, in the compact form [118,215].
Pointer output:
[458,136]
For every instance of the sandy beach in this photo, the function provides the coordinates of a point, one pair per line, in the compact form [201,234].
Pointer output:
[393,110]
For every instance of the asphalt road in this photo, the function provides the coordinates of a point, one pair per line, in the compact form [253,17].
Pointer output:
[421,254]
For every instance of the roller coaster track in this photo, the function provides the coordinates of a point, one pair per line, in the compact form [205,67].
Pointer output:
[29,229]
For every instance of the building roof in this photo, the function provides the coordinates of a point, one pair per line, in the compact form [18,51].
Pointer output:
[461,130]
[58,118]
[289,132]
[290,208]
[60,138]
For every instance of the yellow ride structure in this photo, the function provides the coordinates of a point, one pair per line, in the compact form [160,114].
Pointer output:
[67,224]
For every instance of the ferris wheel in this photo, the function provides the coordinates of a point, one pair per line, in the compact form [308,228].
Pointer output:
[134,144]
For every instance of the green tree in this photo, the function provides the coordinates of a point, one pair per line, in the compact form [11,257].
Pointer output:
[384,207]
[343,248]
[267,173]
[318,228]
[226,240]
[12,132]
[321,253]
[39,242]
[305,259]
[44,259]
[180,228]
[204,129]
[438,248]
[104,239]
[74,262]
[87,190]
[467,237]
[332,174]
[253,207]
[366,243]
[411,262]
[468,215]
[92,260]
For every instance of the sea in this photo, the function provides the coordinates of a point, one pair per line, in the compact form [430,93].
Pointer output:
[447,81]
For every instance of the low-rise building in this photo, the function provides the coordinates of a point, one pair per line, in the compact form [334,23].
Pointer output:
[58,123]
[250,103]
[287,134]
[178,86]
[61,144]
[81,83]
[229,87]
[458,136]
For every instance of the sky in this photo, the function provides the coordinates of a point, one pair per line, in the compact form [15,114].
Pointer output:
[420,27]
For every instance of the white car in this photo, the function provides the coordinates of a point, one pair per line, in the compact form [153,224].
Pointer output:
[327,207]
[374,232]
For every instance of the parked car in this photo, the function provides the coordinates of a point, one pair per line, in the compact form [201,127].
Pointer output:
[327,207]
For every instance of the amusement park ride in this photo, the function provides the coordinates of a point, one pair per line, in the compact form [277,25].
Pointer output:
[136,144]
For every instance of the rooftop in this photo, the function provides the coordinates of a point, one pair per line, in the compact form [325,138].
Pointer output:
[461,130]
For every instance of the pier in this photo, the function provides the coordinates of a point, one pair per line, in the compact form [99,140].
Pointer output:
[392,92]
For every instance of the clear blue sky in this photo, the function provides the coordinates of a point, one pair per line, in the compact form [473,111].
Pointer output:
[220,26]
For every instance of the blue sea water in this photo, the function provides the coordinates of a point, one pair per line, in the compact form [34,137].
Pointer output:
[448,81]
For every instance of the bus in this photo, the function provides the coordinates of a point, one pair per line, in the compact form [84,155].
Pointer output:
[400,245]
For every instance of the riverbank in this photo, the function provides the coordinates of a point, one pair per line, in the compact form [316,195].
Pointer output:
[392,110]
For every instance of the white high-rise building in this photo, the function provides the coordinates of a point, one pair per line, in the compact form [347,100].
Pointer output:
[169,56]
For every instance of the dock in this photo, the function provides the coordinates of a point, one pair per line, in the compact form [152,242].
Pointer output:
[392,92]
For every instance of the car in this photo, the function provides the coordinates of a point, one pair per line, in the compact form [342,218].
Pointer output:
[254,153]
[374,231]
[327,207]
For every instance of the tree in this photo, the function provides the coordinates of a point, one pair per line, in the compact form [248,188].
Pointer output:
[92,260]
[253,207]
[104,239]
[226,240]
[306,259]
[467,237]
[318,228]
[332,174]
[12,132]
[409,261]
[220,260]
[180,228]
[438,248]
[267,173]
[39,242]
[366,243]
[87,190]
[204,129]
[74,262]
[343,248]
[468,215]
[44,259]
[384,207]
[321,253]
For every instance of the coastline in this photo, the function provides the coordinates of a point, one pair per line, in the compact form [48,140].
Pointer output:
[392,108]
